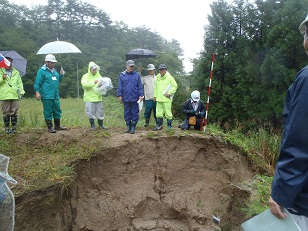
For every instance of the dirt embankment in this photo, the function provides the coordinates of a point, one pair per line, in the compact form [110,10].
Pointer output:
[173,183]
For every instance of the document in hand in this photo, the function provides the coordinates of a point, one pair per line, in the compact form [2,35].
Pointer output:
[167,89]
[266,221]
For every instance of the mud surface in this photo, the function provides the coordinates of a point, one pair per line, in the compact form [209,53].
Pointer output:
[165,183]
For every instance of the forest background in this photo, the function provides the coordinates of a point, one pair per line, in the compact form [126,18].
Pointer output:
[257,46]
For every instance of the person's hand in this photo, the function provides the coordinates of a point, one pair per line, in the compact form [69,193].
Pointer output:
[141,98]
[276,209]
[120,99]
[154,99]
[96,81]
[4,76]
[167,95]
[62,72]
[37,95]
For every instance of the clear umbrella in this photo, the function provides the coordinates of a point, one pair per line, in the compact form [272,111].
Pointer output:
[58,47]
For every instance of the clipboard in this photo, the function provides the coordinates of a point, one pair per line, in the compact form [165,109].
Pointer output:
[266,221]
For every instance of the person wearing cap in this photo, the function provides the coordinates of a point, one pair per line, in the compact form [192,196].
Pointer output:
[148,83]
[46,87]
[165,87]
[289,186]
[130,92]
[94,105]
[11,90]
[193,107]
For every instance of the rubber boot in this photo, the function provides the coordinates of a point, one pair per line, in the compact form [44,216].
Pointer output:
[169,123]
[6,121]
[101,124]
[14,124]
[50,127]
[159,124]
[58,127]
[147,121]
[129,124]
[133,127]
[92,124]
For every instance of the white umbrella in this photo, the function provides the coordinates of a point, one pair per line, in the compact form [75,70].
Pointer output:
[58,47]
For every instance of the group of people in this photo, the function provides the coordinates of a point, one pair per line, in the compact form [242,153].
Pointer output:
[156,91]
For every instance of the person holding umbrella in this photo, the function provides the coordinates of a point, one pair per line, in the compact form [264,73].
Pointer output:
[130,92]
[11,89]
[46,88]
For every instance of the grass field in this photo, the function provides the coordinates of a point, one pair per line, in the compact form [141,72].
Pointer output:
[73,113]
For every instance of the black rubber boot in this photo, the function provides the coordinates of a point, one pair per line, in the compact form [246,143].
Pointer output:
[50,127]
[58,127]
[14,124]
[92,124]
[159,124]
[6,121]
[129,124]
[101,124]
[133,127]
[169,123]
[147,121]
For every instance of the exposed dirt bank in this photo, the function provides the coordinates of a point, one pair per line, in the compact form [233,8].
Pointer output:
[173,183]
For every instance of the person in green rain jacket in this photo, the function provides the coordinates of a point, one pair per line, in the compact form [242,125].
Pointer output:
[94,105]
[165,87]
[11,89]
[46,88]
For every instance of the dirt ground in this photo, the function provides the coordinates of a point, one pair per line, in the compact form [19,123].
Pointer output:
[180,182]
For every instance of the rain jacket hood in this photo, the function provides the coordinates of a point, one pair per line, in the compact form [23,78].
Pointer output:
[87,82]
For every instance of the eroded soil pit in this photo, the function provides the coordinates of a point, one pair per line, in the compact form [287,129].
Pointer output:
[158,184]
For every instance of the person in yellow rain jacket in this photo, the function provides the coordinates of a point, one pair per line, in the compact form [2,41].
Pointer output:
[165,87]
[11,89]
[94,104]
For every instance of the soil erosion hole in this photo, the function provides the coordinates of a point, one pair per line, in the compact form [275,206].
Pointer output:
[170,183]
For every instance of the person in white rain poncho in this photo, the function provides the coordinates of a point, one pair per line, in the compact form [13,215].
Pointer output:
[95,86]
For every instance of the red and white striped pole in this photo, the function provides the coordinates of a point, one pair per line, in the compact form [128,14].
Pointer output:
[208,95]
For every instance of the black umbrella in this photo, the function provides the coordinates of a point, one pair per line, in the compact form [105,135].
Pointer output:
[139,53]
[19,62]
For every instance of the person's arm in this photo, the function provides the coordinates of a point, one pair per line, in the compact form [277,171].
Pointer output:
[187,109]
[85,83]
[291,174]
[120,89]
[38,84]
[140,88]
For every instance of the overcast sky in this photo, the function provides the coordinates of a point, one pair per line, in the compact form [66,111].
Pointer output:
[180,20]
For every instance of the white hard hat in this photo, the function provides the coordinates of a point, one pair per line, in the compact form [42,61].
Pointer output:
[50,58]
[302,25]
[151,67]
[195,95]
